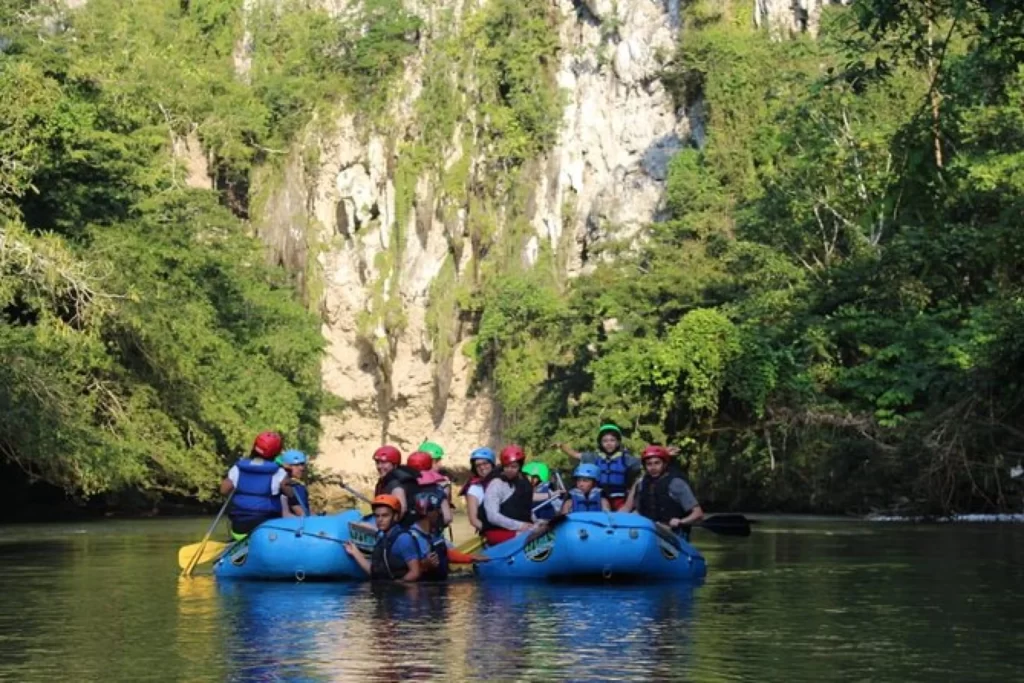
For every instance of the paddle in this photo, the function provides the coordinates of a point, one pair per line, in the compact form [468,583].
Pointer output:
[543,504]
[724,525]
[212,552]
[471,546]
[727,525]
[544,527]
[186,571]
[355,494]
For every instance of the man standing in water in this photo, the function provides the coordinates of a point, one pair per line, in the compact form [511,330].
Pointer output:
[663,495]
[617,465]
[397,556]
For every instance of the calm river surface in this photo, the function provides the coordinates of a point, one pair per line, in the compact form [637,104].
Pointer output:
[801,600]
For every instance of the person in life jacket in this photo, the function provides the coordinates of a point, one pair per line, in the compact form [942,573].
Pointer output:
[539,476]
[395,480]
[619,468]
[436,457]
[481,464]
[663,495]
[430,481]
[508,499]
[586,496]
[294,463]
[397,556]
[427,531]
[257,482]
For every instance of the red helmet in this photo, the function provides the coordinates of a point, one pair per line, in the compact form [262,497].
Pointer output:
[420,461]
[656,452]
[267,445]
[388,454]
[511,454]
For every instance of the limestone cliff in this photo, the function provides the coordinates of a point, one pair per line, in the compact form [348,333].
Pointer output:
[395,338]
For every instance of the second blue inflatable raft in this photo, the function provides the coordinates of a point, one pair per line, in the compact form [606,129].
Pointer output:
[596,545]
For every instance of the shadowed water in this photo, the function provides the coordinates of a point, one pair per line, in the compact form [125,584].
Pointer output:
[807,600]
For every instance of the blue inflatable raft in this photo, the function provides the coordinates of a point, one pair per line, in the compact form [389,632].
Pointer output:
[596,545]
[299,549]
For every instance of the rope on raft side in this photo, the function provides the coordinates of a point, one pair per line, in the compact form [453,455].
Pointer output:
[675,540]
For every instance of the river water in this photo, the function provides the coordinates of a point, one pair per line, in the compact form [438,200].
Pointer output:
[800,600]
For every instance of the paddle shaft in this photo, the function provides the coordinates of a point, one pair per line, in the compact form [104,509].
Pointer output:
[541,506]
[187,571]
[551,501]
[561,484]
[355,493]
[725,525]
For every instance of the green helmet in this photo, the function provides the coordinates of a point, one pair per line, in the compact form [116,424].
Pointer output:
[435,450]
[537,469]
[609,428]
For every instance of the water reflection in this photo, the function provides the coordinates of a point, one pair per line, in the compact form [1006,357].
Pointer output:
[459,631]
[811,602]
[583,632]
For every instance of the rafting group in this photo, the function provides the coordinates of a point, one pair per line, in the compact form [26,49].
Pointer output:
[623,515]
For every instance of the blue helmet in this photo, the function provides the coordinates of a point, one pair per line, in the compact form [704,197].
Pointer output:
[483,453]
[292,457]
[588,471]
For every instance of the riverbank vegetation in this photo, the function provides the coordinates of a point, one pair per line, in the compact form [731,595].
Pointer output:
[831,318]
[144,339]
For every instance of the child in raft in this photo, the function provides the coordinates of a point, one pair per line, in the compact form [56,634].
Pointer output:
[539,475]
[294,463]
[431,481]
[436,453]
[586,496]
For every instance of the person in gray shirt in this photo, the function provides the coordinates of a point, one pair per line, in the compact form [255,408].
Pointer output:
[662,494]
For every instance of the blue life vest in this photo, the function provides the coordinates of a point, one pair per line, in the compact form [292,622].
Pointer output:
[586,503]
[253,499]
[614,473]
[301,496]
[436,544]
[550,509]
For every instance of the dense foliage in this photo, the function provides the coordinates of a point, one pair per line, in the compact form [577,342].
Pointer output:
[143,339]
[832,316]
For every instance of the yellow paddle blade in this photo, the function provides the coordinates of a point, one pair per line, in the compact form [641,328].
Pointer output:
[471,546]
[212,551]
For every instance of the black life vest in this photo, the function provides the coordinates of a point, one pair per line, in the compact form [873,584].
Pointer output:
[403,477]
[384,563]
[436,544]
[654,502]
[519,505]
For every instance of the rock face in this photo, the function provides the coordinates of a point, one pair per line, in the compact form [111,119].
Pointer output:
[619,130]
[620,127]
[604,178]
[787,18]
